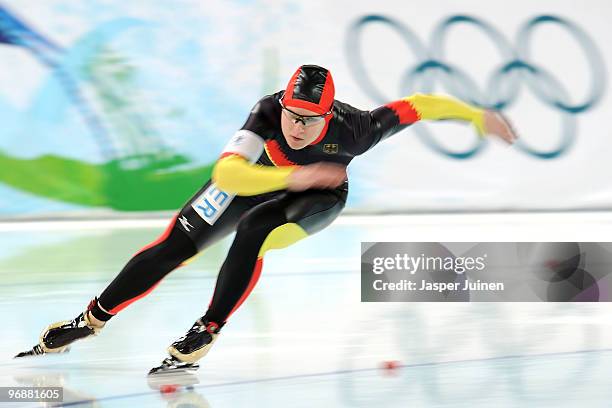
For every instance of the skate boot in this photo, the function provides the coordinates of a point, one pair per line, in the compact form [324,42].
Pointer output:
[186,351]
[57,337]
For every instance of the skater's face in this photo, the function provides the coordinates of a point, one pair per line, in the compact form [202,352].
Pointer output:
[301,126]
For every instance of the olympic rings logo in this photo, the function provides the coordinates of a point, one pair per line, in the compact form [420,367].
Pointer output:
[503,84]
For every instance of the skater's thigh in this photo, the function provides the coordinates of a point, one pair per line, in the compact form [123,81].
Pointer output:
[293,216]
[313,210]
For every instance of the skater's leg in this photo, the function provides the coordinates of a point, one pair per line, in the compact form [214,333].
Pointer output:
[180,242]
[186,235]
[144,271]
[139,277]
[242,266]
[271,225]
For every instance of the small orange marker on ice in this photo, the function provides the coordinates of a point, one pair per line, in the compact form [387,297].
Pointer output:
[391,365]
[168,389]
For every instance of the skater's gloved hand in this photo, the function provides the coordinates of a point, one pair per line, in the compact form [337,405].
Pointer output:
[495,124]
[317,175]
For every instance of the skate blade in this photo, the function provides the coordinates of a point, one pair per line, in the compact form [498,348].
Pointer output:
[179,378]
[166,371]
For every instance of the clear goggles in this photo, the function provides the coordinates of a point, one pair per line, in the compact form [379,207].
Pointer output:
[305,120]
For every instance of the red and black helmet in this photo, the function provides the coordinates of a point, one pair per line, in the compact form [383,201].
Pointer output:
[311,87]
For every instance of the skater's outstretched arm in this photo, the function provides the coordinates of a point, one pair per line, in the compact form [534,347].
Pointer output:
[389,119]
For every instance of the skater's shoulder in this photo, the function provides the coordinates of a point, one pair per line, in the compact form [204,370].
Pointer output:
[264,118]
[342,109]
[268,103]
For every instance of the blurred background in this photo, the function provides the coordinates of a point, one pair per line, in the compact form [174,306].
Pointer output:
[112,114]
[108,107]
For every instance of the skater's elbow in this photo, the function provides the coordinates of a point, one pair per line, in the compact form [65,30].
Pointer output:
[235,175]
[226,173]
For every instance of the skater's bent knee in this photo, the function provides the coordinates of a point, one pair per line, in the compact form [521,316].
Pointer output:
[282,237]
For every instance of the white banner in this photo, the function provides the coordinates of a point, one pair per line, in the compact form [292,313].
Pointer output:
[544,64]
